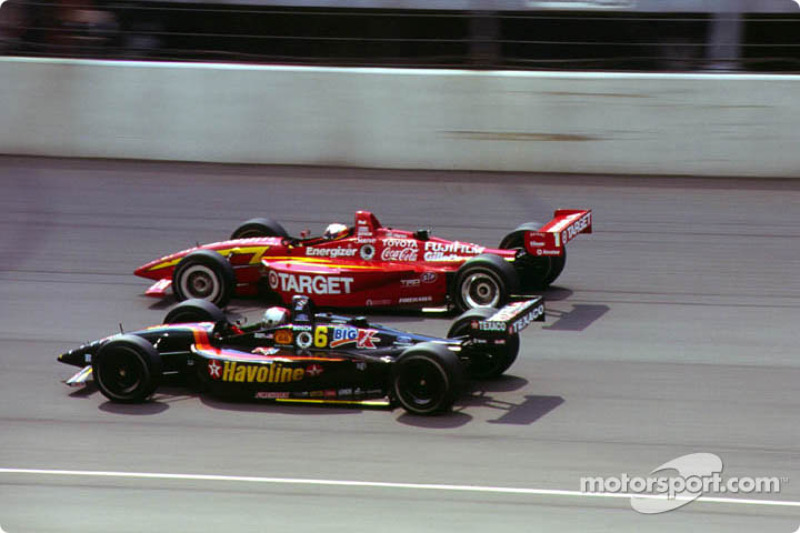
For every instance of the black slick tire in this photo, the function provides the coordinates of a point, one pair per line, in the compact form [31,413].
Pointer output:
[534,272]
[259,227]
[427,379]
[127,369]
[485,361]
[194,311]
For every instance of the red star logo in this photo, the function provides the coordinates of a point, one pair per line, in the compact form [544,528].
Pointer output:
[314,370]
[214,369]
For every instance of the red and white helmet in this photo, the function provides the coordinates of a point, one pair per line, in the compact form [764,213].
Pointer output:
[335,231]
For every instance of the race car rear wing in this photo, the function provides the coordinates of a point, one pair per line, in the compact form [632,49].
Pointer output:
[510,319]
[553,236]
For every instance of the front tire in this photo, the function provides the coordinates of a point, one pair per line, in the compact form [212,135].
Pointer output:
[259,227]
[194,311]
[127,369]
[427,379]
[485,281]
[204,275]
[486,361]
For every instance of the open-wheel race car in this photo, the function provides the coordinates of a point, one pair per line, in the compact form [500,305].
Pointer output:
[300,355]
[369,265]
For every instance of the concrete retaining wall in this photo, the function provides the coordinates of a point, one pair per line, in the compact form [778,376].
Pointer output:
[729,125]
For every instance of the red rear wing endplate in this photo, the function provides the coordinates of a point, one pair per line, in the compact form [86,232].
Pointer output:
[553,236]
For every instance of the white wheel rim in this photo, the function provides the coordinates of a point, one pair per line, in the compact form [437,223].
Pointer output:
[480,290]
[200,281]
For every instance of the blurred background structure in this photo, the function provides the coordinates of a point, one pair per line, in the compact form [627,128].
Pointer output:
[642,87]
[616,35]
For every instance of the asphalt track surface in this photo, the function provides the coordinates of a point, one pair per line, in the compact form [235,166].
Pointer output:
[673,330]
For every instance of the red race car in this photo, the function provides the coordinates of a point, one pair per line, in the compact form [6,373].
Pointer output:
[368,265]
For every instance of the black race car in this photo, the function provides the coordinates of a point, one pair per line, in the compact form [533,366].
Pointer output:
[299,355]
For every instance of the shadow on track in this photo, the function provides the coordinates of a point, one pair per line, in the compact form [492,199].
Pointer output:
[270,407]
[555,294]
[525,413]
[253,306]
[578,319]
[529,411]
[154,407]
[446,421]
[161,304]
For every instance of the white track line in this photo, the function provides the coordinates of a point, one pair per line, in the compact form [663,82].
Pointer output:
[427,72]
[379,484]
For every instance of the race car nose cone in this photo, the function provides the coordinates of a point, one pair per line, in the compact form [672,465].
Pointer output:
[73,357]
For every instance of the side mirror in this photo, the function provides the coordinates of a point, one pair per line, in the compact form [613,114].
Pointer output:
[359,322]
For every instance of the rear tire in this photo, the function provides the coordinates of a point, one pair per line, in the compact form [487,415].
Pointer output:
[204,275]
[127,369]
[194,311]
[427,379]
[485,281]
[259,227]
[534,272]
[486,361]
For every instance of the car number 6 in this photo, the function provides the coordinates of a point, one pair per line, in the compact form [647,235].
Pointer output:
[321,337]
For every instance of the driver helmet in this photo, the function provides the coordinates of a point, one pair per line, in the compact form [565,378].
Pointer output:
[275,316]
[334,231]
